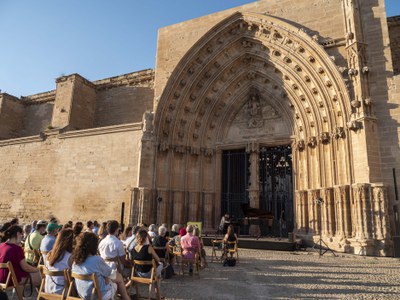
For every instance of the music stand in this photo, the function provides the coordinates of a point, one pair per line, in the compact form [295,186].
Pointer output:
[319,202]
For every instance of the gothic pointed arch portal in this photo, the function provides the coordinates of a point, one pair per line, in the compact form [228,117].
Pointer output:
[254,81]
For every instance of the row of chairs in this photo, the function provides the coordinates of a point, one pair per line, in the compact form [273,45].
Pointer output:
[69,291]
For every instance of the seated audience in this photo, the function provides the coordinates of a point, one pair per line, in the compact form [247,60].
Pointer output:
[59,259]
[203,256]
[96,227]
[33,242]
[161,241]
[48,241]
[190,245]
[128,232]
[86,262]
[145,252]
[131,242]
[112,250]
[103,230]
[230,236]
[152,232]
[174,231]
[10,250]
[89,226]
[27,231]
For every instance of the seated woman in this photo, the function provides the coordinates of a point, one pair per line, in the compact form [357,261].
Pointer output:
[10,250]
[230,236]
[145,252]
[59,259]
[86,262]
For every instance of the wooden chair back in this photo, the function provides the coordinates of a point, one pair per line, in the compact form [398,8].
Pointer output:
[11,281]
[72,291]
[232,248]
[47,296]
[153,279]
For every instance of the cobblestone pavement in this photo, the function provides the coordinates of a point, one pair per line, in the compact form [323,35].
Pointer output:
[291,275]
[264,274]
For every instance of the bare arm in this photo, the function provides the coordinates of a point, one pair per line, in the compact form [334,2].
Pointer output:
[27,267]
[152,252]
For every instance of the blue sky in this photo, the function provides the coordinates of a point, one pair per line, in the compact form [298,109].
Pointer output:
[42,40]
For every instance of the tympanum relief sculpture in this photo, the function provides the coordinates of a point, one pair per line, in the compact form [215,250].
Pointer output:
[257,118]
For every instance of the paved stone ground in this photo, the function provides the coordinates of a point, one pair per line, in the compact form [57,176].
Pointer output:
[264,274]
[291,275]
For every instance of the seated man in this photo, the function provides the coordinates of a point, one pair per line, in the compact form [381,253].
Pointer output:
[48,241]
[32,243]
[190,245]
[112,250]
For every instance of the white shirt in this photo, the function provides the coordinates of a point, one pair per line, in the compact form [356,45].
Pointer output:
[111,247]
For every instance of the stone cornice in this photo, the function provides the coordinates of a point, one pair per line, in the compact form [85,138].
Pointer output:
[140,78]
[23,140]
[101,130]
[393,21]
[49,96]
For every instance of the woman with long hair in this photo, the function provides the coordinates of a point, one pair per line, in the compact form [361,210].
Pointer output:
[145,252]
[86,262]
[230,236]
[10,250]
[102,233]
[59,259]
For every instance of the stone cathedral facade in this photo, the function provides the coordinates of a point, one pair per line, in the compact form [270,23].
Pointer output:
[285,106]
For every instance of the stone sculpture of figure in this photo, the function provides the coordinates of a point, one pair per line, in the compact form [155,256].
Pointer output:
[253,105]
[147,122]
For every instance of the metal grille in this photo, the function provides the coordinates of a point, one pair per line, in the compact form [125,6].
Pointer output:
[276,188]
[235,178]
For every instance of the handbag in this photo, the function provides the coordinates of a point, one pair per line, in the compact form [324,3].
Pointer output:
[230,262]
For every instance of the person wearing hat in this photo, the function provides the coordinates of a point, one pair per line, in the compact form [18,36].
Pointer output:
[48,242]
[32,243]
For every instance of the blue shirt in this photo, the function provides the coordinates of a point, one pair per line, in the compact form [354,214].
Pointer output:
[47,243]
[92,264]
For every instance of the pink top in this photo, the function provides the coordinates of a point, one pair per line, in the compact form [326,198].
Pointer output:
[13,253]
[190,244]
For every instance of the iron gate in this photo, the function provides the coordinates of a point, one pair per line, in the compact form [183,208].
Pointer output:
[276,189]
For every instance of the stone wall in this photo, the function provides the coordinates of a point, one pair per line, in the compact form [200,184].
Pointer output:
[394,34]
[79,175]
[323,18]
[12,112]
[124,104]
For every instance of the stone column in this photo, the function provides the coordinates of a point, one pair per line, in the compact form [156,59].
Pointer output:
[178,207]
[194,206]
[380,212]
[134,212]
[254,189]
[313,195]
[209,211]
[302,211]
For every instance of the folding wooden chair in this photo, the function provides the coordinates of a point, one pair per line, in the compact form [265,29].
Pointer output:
[217,246]
[194,261]
[163,258]
[41,259]
[136,280]
[47,296]
[11,281]
[72,291]
[232,249]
